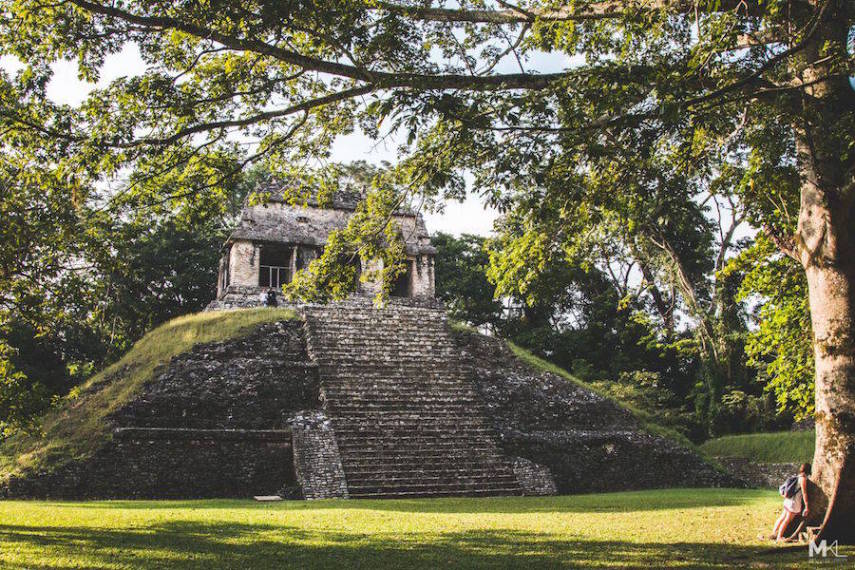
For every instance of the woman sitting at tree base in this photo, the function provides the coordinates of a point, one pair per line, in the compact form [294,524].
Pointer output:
[795,503]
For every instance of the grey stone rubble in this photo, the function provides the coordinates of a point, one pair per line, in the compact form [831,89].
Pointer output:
[760,475]
[535,480]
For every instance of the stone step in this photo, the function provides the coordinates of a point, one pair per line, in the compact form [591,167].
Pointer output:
[380,446]
[360,470]
[449,455]
[422,379]
[394,415]
[432,488]
[351,409]
[341,376]
[411,470]
[404,405]
[392,444]
[514,491]
[478,452]
[400,384]
[440,433]
[412,422]
[378,395]
[407,419]
[452,481]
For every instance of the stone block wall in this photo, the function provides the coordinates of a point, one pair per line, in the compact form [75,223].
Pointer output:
[213,422]
[535,480]
[587,442]
[169,466]
[317,461]
[759,475]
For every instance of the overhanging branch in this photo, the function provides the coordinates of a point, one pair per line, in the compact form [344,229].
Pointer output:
[590,11]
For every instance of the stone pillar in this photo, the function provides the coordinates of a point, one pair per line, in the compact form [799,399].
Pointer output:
[317,461]
[243,264]
[431,277]
[292,269]
[422,278]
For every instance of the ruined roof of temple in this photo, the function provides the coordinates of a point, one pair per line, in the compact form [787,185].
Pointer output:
[345,199]
[276,220]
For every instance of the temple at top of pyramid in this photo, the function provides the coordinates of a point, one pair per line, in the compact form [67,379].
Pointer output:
[274,239]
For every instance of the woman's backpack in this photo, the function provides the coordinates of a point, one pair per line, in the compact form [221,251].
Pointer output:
[790,487]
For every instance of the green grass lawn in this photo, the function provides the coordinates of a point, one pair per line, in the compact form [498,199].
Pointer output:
[682,528]
[781,447]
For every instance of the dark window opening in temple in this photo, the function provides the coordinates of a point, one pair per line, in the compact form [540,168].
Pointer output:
[403,285]
[275,267]
[356,264]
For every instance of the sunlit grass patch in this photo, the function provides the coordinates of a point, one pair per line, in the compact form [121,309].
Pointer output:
[778,447]
[678,528]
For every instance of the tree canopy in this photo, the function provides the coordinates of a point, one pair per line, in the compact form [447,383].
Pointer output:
[657,106]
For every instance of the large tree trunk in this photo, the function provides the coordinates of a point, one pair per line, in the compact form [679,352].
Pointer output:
[826,247]
[832,300]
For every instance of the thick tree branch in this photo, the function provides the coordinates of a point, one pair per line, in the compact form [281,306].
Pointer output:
[257,118]
[381,79]
[592,11]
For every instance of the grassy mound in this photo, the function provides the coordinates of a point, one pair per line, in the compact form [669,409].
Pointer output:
[644,417]
[781,447]
[675,528]
[78,426]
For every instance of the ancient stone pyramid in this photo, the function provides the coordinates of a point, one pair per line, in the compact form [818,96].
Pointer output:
[351,401]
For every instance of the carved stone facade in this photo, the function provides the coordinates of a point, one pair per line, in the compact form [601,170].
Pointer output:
[274,240]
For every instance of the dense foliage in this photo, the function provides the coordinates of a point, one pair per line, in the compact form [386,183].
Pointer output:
[81,285]
[610,334]
[661,113]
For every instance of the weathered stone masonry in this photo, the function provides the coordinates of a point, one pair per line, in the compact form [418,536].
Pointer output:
[359,402]
[274,240]
[587,442]
[214,422]
[406,416]
[317,460]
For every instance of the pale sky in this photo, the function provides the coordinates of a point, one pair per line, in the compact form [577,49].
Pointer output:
[470,216]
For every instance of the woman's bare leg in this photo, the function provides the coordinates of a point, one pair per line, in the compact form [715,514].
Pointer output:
[788,518]
[778,522]
[775,528]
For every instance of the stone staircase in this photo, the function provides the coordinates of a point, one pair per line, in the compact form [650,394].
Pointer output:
[406,417]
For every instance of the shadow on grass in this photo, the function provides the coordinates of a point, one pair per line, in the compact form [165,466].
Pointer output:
[632,501]
[190,545]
